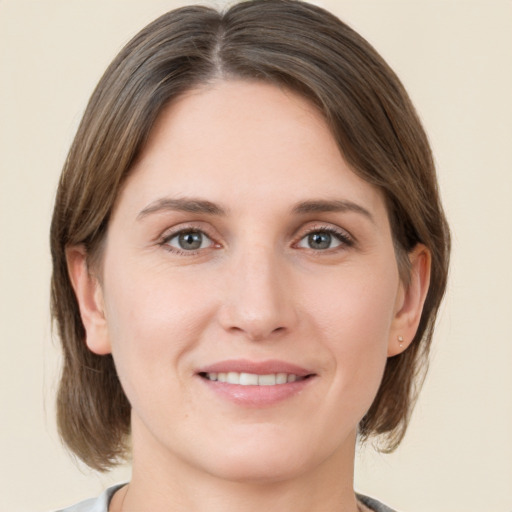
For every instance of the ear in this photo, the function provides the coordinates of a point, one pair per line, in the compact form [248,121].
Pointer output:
[89,295]
[411,298]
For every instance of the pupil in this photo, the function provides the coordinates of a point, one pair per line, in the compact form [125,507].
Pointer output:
[319,240]
[190,241]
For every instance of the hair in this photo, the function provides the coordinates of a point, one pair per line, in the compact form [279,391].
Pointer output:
[293,45]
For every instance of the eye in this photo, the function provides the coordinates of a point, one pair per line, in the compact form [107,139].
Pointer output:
[324,239]
[188,240]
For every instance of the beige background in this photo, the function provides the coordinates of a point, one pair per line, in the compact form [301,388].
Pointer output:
[455,58]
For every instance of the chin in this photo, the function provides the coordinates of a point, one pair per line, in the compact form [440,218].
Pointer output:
[265,468]
[264,459]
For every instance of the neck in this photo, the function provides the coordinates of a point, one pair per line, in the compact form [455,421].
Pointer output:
[164,483]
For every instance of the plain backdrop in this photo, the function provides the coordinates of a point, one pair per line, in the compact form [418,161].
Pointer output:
[455,59]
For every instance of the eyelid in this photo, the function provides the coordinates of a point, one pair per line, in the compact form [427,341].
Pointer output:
[346,239]
[170,233]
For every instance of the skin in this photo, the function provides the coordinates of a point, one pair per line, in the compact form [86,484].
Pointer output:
[256,289]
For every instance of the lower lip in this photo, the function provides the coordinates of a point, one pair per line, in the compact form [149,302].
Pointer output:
[257,396]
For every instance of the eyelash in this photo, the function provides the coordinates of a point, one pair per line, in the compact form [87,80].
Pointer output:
[167,237]
[346,241]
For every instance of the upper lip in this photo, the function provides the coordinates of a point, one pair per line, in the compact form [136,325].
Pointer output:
[256,367]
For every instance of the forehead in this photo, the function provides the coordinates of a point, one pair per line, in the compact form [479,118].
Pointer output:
[261,119]
[250,140]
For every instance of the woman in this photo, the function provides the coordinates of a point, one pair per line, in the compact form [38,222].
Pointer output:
[249,253]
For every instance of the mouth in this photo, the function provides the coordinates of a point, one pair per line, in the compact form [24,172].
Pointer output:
[254,379]
[256,384]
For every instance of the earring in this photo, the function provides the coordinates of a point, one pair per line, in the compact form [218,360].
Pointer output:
[400,340]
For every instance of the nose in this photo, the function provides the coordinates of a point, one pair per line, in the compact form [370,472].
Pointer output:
[258,300]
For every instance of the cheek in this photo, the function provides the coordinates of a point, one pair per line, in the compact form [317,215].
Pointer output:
[151,303]
[353,318]
[153,321]
[356,308]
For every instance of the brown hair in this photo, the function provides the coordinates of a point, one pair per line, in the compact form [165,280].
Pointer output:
[285,42]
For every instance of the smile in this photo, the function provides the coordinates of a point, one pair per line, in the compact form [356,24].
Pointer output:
[256,384]
[252,379]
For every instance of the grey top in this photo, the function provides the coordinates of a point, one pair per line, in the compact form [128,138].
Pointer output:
[373,504]
[100,504]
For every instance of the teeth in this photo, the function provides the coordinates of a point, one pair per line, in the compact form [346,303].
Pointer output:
[252,379]
[267,380]
[282,378]
[248,379]
[233,378]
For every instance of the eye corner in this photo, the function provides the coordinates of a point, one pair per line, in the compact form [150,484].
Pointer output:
[327,238]
[187,240]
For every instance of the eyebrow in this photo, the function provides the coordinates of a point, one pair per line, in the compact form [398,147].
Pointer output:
[193,205]
[189,205]
[321,205]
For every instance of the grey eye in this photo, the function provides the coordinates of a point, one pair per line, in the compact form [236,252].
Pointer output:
[189,241]
[320,240]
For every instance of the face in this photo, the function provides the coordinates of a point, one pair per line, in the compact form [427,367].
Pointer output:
[250,291]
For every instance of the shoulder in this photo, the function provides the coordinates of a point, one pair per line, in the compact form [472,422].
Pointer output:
[99,504]
[373,504]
